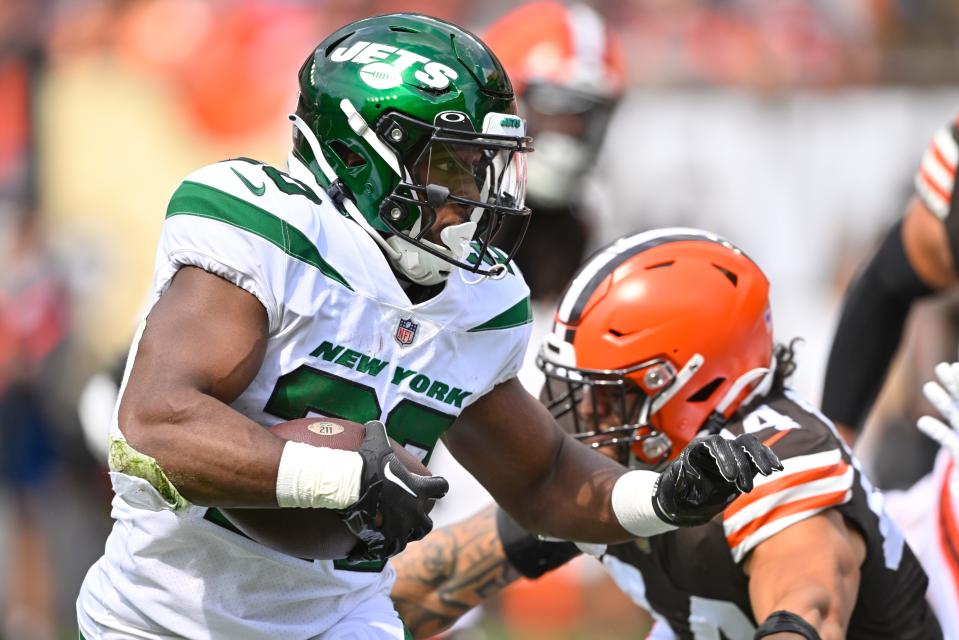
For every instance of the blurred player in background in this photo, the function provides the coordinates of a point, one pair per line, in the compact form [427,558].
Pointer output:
[34,318]
[362,284]
[33,323]
[568,72]
[916,259]
[662,336]
[928,512]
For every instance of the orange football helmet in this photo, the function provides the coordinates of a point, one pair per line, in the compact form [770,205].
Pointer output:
[670,330]
[567,67]
[558,45]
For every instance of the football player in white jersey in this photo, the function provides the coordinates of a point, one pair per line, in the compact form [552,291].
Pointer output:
[362,285]
[928,512]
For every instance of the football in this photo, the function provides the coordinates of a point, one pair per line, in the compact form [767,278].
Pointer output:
[315,534]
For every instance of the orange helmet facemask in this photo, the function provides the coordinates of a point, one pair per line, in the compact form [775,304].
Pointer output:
[659,336]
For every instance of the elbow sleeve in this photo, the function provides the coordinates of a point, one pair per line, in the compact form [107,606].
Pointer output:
[874,313]
[530,555]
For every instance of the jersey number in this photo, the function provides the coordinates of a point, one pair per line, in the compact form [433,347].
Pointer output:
[306,390]
[708,618]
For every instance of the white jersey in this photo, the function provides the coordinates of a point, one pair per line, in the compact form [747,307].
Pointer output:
[345,341]
[928,514]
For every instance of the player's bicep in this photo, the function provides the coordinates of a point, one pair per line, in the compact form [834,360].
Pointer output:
[508,441]
[926,242]
[931,225]
[204,334]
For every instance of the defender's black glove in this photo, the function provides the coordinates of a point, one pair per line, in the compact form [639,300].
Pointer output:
[709,474]
[391,491]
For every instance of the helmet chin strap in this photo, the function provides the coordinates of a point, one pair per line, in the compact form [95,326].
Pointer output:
[765,377]
[496,272]
[765,374]
[420,267]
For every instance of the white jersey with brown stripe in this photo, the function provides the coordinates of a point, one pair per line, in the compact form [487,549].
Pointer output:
[928,514]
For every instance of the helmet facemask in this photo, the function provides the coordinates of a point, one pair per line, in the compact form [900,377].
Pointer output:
[635,394]
[449,163]
[629,397]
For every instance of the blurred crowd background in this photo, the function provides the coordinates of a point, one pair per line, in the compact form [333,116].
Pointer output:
[793,127]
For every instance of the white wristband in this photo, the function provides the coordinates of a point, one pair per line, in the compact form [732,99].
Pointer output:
[317,477]
[633,504]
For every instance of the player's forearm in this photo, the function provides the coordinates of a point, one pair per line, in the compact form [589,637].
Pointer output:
[448,573]
[211,453]
[574,502]
[819,607]
[544,479]
[823,588]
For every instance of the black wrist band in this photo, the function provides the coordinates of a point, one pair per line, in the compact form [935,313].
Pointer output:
[786,622]
[528,554]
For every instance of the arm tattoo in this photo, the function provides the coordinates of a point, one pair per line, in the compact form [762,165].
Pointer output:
[449,572]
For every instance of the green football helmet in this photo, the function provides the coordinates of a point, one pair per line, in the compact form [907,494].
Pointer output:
[402,115]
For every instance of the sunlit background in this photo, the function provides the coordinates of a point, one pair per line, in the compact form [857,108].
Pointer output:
[793,127]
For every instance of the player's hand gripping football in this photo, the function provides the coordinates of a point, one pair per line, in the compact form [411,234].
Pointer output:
[944,396]
[392,508]
[709,474]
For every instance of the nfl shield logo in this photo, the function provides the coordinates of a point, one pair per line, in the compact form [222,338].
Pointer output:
[406,331]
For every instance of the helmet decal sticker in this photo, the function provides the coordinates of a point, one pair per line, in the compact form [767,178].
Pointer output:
[451,117]
[384,64]
[381,75]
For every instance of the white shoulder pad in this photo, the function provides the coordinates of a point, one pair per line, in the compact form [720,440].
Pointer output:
[245,222]
[494,303]
[498,311]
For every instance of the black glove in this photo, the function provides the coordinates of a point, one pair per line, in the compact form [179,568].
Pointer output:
[709,474]
[392,509]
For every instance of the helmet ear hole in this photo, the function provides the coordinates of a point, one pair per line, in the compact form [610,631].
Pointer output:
[349,158]
[706,390]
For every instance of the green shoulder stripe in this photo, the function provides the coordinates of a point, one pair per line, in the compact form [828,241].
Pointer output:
[519,314]
[194,199]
